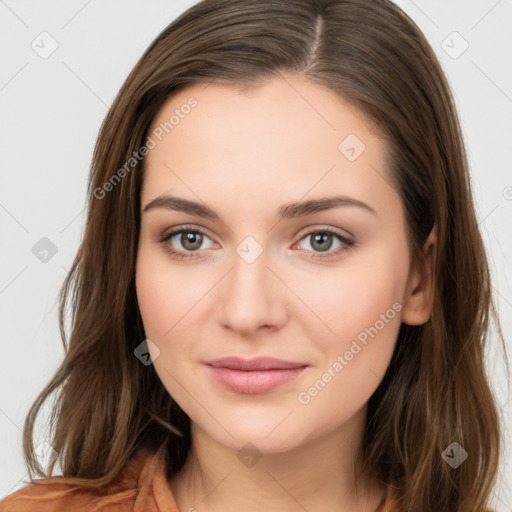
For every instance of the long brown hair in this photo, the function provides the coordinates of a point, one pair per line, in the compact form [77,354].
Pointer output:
[435,392]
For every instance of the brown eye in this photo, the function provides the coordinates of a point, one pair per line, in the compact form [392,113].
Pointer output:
[191,240]
[322,241]
[184,243]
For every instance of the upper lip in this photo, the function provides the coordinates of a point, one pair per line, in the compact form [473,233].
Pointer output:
[258,363]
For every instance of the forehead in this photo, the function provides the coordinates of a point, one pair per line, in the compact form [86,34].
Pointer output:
[276,103]
[281,140]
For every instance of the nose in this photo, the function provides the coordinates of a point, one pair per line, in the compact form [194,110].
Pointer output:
[252,296]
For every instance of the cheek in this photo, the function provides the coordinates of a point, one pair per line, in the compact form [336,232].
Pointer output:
[164,300]
[170,299]
[156,304]
[363,308]
[166,293]
[343,303]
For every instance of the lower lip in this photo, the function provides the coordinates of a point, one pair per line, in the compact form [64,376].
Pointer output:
[256,381]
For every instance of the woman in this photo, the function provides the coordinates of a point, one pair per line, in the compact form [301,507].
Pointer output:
[281,299]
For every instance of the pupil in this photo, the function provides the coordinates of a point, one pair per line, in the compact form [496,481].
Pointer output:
[189,237]
[322,236]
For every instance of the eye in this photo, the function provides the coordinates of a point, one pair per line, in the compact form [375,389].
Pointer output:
[322,241]
[191,240]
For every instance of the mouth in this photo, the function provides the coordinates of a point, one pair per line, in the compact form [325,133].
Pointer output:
[253,376]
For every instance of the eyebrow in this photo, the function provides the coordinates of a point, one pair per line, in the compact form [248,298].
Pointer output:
[287,211]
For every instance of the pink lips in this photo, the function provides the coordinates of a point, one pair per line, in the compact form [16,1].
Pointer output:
[252,376]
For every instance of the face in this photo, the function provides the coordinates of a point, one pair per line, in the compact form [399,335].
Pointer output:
[324,288]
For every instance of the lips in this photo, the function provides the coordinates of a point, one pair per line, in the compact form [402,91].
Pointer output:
[259,363]
[253,376]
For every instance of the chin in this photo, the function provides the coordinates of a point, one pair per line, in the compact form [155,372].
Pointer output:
[265,439]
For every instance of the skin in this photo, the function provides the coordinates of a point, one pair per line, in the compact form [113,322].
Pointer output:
[246,154]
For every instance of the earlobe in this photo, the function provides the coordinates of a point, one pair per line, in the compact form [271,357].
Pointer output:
[420,290]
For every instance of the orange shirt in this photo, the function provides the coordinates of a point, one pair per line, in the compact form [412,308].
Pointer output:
[143,479]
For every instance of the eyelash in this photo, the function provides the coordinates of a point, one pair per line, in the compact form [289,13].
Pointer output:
[348,243]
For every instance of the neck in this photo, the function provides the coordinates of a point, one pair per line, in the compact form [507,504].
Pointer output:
[319,475]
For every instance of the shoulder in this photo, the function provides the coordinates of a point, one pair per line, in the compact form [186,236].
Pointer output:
[57,495]
[392,500]
[50,497]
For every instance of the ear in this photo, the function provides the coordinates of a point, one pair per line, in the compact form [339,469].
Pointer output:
[419,293]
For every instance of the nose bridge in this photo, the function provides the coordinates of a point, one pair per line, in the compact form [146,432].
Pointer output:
[250,295]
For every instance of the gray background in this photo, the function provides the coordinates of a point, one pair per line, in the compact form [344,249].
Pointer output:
[51,107]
